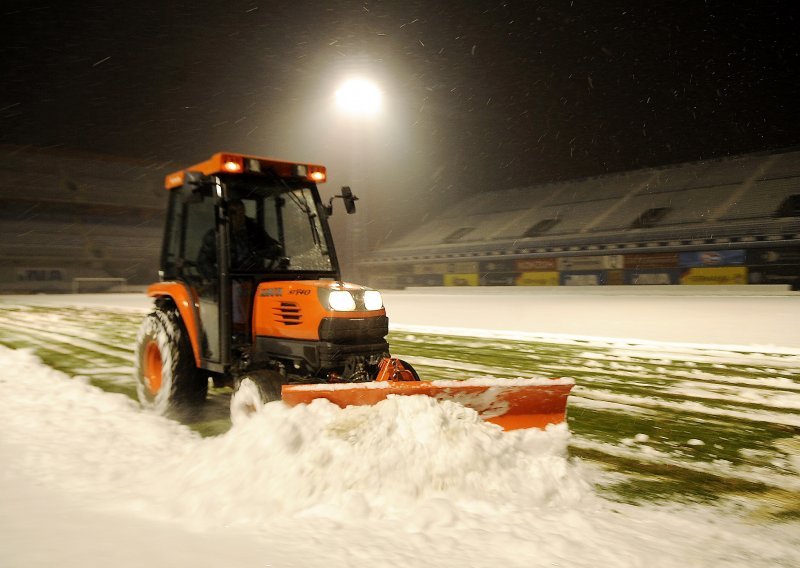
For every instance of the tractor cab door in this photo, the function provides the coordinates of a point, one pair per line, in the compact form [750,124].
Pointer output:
[192,227]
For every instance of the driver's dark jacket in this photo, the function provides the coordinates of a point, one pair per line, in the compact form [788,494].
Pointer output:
[248,250]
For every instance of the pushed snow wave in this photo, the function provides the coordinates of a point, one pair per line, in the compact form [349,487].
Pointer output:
[404,458]
[400,455]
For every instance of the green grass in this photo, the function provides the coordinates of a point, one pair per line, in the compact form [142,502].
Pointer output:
[636,413]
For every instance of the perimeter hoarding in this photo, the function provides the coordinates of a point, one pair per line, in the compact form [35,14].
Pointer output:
[716,276]
[775,275]
[538,279]
[639,261]
[584,278]
[600,262]
[536,265]
[446,267]
[774,256]
[485,266]
[498,279]
[653,277]
[699,259]
[460,279]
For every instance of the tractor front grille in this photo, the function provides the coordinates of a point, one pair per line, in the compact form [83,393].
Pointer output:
[288,313]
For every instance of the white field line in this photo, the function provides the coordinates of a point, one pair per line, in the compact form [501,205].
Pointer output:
[575,400]
[782,359]
[79,342]
[649,455]
[94,325]
[78,324]
[743,396]
[692,407]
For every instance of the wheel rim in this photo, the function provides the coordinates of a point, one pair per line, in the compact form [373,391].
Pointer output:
[152,367]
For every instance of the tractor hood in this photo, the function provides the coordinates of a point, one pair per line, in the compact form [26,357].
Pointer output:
[298,309]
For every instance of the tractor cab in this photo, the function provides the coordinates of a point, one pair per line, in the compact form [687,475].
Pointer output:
[235,222]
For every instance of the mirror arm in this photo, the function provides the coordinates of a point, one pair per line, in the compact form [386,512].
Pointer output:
[329,206]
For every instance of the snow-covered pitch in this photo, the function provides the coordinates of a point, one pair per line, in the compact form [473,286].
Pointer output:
[89,479]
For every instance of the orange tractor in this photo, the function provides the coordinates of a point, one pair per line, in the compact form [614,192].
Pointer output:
[250,294]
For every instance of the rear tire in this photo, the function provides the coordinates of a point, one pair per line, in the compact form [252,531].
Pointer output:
[167,378]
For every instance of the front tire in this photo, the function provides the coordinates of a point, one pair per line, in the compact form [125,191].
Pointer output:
[167,379]
[251,392]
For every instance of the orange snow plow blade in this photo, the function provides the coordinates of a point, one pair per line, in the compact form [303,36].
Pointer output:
[510,403]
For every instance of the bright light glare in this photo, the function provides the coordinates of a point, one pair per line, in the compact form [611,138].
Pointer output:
[373,300]
[359,96]
[341,301]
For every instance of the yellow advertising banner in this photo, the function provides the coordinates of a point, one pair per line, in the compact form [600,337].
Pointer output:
[717,276]
[538,279]
[460,279]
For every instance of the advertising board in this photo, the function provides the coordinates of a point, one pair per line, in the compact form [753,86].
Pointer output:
[719,276]
[498,279]
[653,276]
[773,256]
[775,275]
[600,262]
[465,279]
[536,265]
[538,279]
[446,267]
[584,278]
[698,259]
[496,266]
[651,260]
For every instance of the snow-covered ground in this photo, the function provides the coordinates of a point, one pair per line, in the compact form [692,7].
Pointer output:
[90,480]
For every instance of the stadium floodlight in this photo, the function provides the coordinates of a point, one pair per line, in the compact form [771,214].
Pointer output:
[359,97]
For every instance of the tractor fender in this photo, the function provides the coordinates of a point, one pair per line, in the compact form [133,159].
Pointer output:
[186,303]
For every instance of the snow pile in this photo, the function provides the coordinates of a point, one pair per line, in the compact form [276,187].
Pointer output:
[388,461]
[407,458]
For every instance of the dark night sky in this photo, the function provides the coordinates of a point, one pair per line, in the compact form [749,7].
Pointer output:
[485,93]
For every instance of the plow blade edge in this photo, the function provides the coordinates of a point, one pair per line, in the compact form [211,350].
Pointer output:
[510,403]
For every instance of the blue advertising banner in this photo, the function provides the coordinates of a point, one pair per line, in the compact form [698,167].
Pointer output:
[711,258]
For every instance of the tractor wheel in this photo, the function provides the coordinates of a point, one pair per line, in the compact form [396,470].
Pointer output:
[251,392]
[167,379]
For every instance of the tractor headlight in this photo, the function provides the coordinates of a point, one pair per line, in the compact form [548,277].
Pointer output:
[373,300]
[341,301]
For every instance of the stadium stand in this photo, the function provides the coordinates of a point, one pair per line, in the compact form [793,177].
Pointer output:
[68,217]
[718,221]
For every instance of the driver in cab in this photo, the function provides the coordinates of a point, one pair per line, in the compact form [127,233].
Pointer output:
[250,244]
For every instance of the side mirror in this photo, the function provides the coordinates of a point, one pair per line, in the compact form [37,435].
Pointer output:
[349,201]
[192,184]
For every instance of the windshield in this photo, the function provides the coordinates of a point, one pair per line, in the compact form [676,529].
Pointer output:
[276,228]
